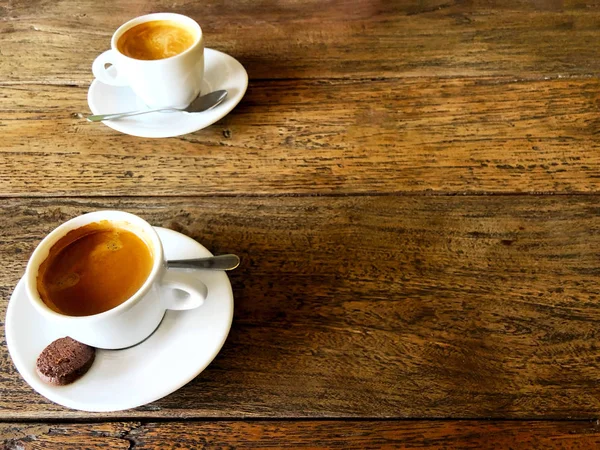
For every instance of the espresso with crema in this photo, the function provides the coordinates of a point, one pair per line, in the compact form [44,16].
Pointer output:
[93,268]
[156,39]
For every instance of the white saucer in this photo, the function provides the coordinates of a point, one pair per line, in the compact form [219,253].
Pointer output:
[182,346]
[221,71]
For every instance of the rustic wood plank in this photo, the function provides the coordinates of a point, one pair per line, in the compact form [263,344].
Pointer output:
[56,42]
[390,306]
[304,137]
[421,434]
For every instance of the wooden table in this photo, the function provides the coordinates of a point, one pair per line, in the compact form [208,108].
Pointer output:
[413,187]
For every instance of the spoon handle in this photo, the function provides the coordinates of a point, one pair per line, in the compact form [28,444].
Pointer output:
[221,262]
[101,117]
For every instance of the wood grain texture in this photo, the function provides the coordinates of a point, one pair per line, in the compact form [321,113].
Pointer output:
[359,295]
[433,135]
[432,435]
[389,306]
[56,42]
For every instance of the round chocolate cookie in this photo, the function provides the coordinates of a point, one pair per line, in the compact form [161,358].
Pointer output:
[64,361]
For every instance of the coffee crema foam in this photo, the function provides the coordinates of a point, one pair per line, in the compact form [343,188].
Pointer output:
[157,39]
[93,269]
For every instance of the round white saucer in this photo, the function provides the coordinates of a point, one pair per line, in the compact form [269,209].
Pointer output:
[181,347]
[221,71]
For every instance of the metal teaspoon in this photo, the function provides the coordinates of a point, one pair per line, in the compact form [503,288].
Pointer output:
[220,262]
[202,103]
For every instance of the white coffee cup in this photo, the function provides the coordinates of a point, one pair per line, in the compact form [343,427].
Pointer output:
[136,318]
[171,82]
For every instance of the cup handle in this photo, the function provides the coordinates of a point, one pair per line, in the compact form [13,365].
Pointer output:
[174,283]
[102,74]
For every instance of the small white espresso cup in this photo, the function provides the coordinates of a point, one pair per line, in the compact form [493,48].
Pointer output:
[171,82]
[136,318]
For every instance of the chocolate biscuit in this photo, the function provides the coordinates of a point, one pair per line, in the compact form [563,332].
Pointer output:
[64,361]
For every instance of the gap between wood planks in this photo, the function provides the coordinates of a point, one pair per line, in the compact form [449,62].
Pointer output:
[144,420]
[307,195]
[500,78]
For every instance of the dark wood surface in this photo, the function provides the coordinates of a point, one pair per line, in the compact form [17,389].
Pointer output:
[388,306]
[56,42]
[423,434]
[425,135]
[412,187]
